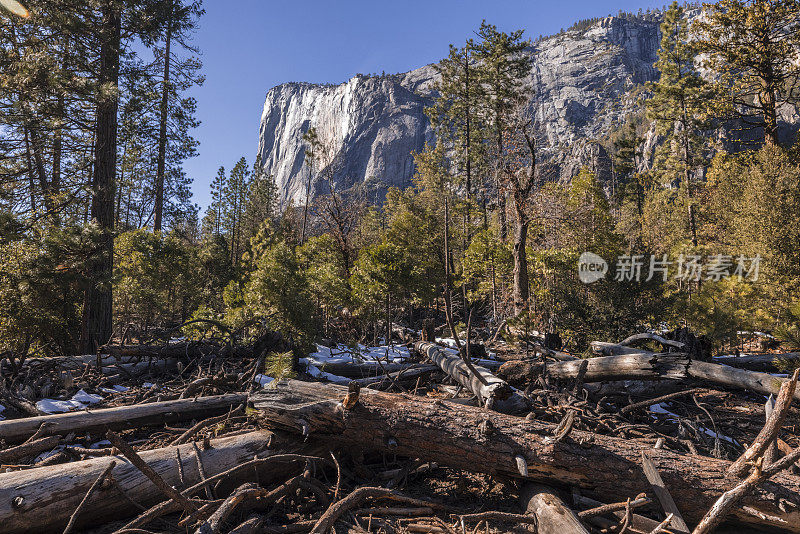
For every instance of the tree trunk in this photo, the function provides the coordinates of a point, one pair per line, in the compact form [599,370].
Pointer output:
[100,269]
[43,499]
[646,366]
[503,397]
[767,98]
[687,177]
[137,415]
[475,440]
[521,293]
[162,131]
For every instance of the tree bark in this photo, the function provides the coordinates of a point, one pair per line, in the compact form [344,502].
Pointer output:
[472,439]
[42,499]
[98,301]
[520,264]
[162,128]
[647,366]
[503,397]
[553,516]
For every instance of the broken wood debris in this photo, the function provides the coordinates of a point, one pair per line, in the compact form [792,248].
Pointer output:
[590,456]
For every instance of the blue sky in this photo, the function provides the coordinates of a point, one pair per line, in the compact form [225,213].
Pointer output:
[249,46]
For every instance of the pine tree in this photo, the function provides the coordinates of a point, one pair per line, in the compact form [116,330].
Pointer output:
[753,46]
[235,197]
[261,204]
[679,101]
[218,187]
[454,114]
[504,72]
[180,20]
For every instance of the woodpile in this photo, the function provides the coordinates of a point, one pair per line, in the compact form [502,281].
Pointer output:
[643,438]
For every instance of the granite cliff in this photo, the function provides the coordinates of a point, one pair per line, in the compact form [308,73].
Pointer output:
[581,83]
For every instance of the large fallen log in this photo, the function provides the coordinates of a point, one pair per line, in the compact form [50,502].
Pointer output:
[760,362]
[646,366]
[473,439]
[724,375]
[487,387]
[637,366]
[137,415]
[42,499]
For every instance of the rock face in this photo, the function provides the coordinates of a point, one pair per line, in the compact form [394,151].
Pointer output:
[581,83]
[373,123]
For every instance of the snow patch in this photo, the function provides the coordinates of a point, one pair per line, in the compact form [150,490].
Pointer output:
[358,354]
[79,401]
[116,388]
[314,371]
[263,380]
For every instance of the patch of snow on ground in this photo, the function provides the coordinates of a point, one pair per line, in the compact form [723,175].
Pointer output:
[314,371]
[358,354]
[86,398]
[58,406]
[79,401]
[262,380]
[116,388]
[660,409]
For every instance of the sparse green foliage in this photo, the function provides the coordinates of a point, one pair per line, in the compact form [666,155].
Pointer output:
[752,45]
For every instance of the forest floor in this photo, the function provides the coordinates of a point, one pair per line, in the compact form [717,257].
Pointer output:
[58,471]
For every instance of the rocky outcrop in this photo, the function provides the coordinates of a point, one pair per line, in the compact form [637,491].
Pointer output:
[374,123]
[581,82]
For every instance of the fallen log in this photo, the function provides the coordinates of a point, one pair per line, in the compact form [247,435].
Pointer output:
[487,387]
[724,375]
[473,439]
[155,413]
[43,499]
[359,370]
[604,348]
[759,362]
[404,376]
[552,515]
[647,366]
[637,366]
[647,336]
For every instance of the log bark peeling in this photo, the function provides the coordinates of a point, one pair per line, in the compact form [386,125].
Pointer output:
[646,366]
[496,391]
